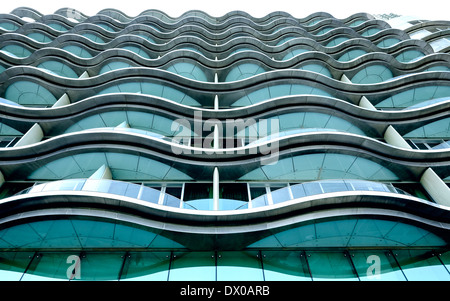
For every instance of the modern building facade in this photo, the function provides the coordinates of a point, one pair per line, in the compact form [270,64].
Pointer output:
[223,148]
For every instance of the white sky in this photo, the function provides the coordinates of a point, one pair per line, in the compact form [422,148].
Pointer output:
[428,9]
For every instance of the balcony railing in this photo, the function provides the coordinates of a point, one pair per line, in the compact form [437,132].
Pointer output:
[148,194]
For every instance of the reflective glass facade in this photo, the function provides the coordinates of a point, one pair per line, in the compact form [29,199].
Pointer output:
[227,148]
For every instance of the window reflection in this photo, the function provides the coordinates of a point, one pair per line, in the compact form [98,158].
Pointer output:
[249,265]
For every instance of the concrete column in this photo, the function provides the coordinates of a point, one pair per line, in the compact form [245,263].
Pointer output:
[62,101]
[84,75]
[216,103]
[102,173]
[2,179]
[34,134]
[345,79]
[435,187]
[216,137]
[216,188]
[365,103]
[123,125]
[394,138]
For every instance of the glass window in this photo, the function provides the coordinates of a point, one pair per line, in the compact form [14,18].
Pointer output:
[194,266]
[260,201]
[51,266]
[29,93]
[333,186]
[330,266]
[78,51]
[372,265]
[285,266]
[312,188]
[16,51]
[101,266]
[13,264]
[298,191]
[445,257]
[421,265]
[195,191]
[149,195]
[58,68]
[280,195]
[146,266]
[239,266]
[171,201]
[352,54]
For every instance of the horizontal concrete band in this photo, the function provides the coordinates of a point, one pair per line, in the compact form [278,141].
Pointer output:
[410,164]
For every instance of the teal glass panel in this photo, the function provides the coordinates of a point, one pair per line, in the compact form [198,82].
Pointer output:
[8,26]
[284,40]
[353,232]
[386,43]
[293,53]
[370,32]
[51,266]
[324,30]
[78,51]
[123,167]
[239,266]
[376,265]
[356,23]
[351,55]
[285,266]
[139,51]
[58,68]
[330,266]
[278,91]
[336,41]
[85,233]
[100,266]
[317,68]
[29,94]
[243,71]
[241,50]
[146,266]
[436,129]
[13,265]
[193,266]
[421,265]
[106,27]
[16,51]
[409,56]
[39,37]
[372,74]
[438,68]
[154,90]
[146,37]
[307,167]
[6,130]
[445,257]
[188,70]
[415,96]
[94,38]
[58,27]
